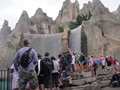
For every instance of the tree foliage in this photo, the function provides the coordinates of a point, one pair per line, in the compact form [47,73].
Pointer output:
[79,20]
[61,29]
[72,25]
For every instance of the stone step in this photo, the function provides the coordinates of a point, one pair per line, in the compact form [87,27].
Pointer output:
[84,81]
[93,86]
[103,72]
[104,77]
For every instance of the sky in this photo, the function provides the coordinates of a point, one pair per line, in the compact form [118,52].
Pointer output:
[11,10]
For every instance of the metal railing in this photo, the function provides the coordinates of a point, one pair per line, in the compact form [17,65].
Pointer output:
[5,80]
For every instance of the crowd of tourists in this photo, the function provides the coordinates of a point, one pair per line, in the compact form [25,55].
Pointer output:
[32,72]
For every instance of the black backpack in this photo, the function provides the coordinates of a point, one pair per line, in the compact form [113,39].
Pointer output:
[43,69]
[24,62]
[49,64]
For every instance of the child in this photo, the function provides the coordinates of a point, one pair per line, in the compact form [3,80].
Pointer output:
[15,78]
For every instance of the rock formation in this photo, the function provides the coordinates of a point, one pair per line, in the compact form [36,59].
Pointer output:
[65,38]
[41,23]
[102,31]
[68,12]
[5,31]
[86,8]
[9,47]
[117,13]
[99,36]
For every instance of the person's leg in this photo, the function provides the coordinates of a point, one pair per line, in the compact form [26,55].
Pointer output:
[81,68]
[77,68]
[70,79]
[33,80]
[60,81]
[41,86]
[56,81]
[23,79]
[53,81]
[41,81]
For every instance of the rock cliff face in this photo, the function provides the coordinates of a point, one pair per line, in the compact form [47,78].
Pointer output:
[68,12]
[102,31]
[41,23]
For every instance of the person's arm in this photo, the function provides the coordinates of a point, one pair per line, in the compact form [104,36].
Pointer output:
[16,57]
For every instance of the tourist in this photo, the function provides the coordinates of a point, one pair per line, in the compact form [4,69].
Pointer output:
[91,63]
[27,74]
[59,57]
[108,62]
[77,63]
[41,69]
[49,63]
[69,60]
[15,77]
[82,62]
[95,66]
[102,59]
[112,62]
[61,62]
[63,75]
[55,82]
[73,62]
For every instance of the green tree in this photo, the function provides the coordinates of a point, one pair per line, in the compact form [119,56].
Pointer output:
[72,25]
[60,29]
[79,20]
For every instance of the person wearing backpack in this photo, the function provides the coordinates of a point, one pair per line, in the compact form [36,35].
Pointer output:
[48,78]
[42,71]
[27,58]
